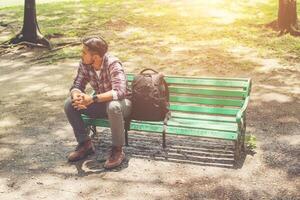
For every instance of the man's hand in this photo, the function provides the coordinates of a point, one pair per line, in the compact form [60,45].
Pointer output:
[81,100]
[76,95]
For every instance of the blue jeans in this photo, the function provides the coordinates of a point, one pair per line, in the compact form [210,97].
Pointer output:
[115,111]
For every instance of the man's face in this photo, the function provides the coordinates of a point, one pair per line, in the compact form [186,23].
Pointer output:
[86,57]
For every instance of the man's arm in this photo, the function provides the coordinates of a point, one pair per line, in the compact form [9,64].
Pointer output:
[118,81]
[84,100]
[80,81]
[106,96]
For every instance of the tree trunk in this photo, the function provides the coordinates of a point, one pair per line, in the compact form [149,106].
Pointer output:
[30,32]
[287,17]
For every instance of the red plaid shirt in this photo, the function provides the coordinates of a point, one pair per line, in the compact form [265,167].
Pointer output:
[112,77]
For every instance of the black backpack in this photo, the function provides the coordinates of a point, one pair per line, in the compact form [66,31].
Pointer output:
[150,96]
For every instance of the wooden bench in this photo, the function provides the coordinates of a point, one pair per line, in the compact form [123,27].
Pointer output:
[204,107]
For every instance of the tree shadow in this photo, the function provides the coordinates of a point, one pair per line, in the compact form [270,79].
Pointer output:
[274,112]
[210,188]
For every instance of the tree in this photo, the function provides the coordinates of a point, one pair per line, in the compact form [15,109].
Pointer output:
[30,32]
[287,17]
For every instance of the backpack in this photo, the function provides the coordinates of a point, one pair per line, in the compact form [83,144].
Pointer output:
[150,96]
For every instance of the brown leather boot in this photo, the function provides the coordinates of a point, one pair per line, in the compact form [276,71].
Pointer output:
[115,157]
[81,151]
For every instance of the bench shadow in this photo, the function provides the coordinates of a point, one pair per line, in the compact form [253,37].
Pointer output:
[180,149]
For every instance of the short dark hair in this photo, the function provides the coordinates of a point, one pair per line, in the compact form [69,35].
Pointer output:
[96,44]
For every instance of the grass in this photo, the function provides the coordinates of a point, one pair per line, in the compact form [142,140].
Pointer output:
[154,31]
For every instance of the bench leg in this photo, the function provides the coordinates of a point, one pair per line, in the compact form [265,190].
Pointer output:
[93,129]
[243,131]
[164,139]
[126,137]
[237,150]
[127,128]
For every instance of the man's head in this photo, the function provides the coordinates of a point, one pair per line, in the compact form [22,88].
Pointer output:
[93,50]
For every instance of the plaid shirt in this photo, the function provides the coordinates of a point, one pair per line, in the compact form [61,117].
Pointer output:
[112,77]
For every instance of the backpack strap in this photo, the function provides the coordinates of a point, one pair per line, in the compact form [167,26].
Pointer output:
[149,69]
[167,89]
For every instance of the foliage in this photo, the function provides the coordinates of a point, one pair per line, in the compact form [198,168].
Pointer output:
[147,28]
[250,141]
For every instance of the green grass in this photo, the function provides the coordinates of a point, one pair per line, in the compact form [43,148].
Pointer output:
[152,31]
[250,141]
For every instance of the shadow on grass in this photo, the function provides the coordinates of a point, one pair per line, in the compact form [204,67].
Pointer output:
[197,189]
[277,127]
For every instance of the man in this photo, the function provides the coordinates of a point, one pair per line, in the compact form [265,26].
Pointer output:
[106,75]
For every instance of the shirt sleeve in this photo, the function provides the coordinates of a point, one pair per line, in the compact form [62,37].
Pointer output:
[81,79]
[118,81]
[115,95]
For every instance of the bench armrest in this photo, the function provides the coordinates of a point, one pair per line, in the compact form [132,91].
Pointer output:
[240,113]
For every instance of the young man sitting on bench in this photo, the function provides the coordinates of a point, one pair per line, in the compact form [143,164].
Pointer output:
[106,76]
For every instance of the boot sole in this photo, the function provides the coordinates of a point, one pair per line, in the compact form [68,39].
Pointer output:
[117,164]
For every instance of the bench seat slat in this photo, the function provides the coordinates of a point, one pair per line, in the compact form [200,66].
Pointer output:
[202,109]
[203,133]
[223,126]
[212,92]
[148,122]
[134,125]
[146,127]
[97,122]
[207,101]
[213,118]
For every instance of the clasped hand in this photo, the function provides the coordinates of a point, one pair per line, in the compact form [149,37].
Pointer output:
[81,101]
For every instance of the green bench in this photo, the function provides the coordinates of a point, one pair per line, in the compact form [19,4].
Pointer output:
[204,107]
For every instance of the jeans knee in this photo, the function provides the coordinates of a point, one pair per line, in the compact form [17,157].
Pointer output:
[68,105]
[114,107]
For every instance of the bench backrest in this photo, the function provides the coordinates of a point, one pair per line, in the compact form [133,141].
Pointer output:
[214,96]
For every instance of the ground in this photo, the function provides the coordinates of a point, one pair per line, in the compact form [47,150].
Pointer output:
[175,38]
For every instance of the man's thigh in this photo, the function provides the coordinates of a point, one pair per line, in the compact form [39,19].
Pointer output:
[96,110]
[124,105]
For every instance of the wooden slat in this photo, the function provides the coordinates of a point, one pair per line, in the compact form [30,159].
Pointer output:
[97,122]
[146,127]
[148,122]
[221,82]
[223,126]
[203,133]
[201,109]
[198,116]
[207,101]
[211,78]
[212,92]
[206,82]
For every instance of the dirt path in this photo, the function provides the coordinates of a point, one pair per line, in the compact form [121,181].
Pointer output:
[35,139]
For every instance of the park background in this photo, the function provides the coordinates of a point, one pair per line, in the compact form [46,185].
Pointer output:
[217,38]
